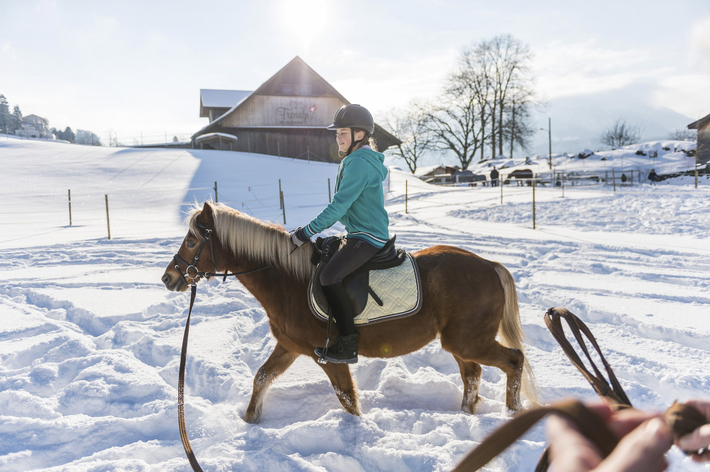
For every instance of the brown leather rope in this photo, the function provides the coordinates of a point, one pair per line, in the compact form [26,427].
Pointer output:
[682,419]
[181,388]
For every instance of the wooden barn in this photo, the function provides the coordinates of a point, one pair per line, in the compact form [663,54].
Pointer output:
[286,116]
[703,127]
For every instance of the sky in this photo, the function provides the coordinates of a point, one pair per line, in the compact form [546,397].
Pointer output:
[136,67]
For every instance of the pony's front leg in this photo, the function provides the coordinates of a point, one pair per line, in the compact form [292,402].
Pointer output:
[339,375]
[279,360]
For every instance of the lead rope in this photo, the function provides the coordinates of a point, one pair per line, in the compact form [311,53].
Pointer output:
[181,375]
[682,419]
[181,387]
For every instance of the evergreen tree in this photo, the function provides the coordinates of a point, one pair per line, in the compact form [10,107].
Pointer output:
[69,135]
[16,118]
[87,137]
[4,114]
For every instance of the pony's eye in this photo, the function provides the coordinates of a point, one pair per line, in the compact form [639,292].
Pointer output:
[190,244]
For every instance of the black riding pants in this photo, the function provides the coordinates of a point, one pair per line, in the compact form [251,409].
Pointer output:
[351,254]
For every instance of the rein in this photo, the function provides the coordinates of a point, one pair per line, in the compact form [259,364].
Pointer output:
[183,354]
[681,419]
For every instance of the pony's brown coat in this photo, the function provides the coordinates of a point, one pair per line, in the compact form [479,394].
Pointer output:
[467,301]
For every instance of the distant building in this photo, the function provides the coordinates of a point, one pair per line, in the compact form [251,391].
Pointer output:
[286,116]
[34,126]
[440,174]
[703,150]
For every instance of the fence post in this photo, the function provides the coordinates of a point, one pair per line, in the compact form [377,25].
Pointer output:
[500,182]
[613,179]
[281,202]
[563,185]
[248,145]
[330,200]
[533,202]
[308,153]
[69,207]
[108,222]
[216,196]
[406,196]
[283,206]
[278,148]
[696,171]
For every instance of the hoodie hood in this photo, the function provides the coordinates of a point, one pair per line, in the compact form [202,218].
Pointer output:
[375,159]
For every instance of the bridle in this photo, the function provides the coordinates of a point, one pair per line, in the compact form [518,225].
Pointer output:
[193,274]
[192,266]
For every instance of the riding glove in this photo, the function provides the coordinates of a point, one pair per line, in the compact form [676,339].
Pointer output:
[299,237]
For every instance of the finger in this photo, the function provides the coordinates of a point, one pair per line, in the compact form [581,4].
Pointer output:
[642,450]
[569,449]
[702,405]
[625,421]
[704,457]
[698,439]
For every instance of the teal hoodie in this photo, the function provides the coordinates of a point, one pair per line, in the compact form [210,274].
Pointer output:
[359,201]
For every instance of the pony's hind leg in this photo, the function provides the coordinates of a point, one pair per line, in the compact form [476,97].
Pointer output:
[471,376]
[279,360]
[339,375]
[510,361]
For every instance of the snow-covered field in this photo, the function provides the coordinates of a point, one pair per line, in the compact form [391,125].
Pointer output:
[90,338]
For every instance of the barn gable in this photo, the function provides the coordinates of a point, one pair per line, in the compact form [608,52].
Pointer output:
[287,115]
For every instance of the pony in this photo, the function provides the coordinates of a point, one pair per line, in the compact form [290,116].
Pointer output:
[467,301]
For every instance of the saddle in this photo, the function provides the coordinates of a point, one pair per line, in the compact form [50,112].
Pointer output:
[386,287]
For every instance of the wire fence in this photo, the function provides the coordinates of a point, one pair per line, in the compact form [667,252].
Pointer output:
[272,201]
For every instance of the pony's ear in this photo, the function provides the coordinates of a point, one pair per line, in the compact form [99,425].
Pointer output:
[206,217]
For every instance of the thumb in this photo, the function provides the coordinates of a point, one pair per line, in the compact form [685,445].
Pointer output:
[698,439]
[642,450]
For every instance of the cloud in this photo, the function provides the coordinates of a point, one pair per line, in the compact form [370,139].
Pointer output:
[700,41]
[587,67]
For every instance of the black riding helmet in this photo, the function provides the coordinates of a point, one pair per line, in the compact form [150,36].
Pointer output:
[353,116]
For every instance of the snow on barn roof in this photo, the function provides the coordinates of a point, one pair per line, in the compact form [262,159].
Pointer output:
[214,135]
[214,98]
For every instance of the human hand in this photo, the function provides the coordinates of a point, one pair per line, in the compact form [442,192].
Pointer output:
[298,236]
[700,438]
[645,438]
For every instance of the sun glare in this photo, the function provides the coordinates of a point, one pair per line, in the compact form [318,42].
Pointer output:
[305,20]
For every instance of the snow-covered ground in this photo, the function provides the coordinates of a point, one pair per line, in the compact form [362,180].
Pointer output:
[90,338]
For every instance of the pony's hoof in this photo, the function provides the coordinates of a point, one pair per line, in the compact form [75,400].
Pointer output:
[252,417]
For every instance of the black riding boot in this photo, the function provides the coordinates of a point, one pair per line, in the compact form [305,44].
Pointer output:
[344,348]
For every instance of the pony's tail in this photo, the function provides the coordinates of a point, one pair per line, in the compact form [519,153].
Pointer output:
[511,331]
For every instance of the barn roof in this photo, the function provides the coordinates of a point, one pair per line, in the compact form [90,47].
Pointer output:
[700,123]
[215,98]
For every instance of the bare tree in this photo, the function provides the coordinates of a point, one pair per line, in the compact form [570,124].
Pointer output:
[454,120]
[409,125]
[517,128]
[683,135]
[621,134]
[508,60]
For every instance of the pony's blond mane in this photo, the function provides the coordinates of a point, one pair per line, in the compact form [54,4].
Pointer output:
[256,240]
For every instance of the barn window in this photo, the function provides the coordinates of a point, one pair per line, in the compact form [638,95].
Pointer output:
[287,89]
[304,90]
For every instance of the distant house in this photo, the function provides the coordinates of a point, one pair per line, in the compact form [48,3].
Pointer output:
[703,150]
[440,174]
[34,126]
[286,116]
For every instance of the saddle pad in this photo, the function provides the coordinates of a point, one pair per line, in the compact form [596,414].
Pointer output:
[399,288]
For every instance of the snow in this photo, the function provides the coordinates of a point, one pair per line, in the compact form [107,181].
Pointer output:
[215,98]
[90,339]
